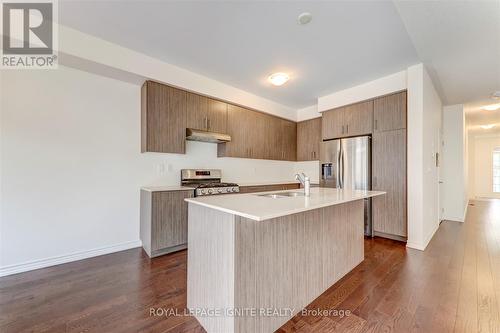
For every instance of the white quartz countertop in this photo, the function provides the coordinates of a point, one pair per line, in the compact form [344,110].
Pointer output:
[167,188]
[260,208]
[266,183]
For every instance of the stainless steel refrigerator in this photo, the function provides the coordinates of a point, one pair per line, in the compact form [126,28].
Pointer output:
[346,163]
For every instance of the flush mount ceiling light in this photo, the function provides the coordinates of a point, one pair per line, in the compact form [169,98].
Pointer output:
[491,107]
[278,79]
[304,18]
[490,126]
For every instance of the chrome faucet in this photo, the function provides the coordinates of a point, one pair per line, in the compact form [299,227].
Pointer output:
[304,180]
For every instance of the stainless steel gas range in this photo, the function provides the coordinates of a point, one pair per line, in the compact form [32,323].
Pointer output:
[207,182]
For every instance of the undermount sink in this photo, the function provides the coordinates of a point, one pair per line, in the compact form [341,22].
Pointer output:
[281,195]
[292,194]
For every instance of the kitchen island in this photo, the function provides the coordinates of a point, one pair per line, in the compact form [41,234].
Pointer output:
[255,260]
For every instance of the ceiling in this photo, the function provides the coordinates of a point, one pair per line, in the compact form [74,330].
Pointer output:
[241,42]
[459,42]
[475,117]
[347,43]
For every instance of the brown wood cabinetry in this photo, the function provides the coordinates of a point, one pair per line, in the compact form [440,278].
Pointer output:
[163,118]
[333,124]
[389,112]
[258,135]
[265,188]
[358,118]
[308,139]
[163,225]
[197,111]
[206,114]
[346,121]
[389,175]
[166,112]
[217,116]
[238,127]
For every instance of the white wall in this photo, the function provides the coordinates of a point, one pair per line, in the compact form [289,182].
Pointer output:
[423,133]
[83,51]
[71,166]
[453,164]
[382,86]
[482,159]
[432,117]
[307,113]
[471,151]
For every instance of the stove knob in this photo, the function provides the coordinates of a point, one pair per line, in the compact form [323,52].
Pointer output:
[219,190]
[201,191]
[210,191]
[235,189]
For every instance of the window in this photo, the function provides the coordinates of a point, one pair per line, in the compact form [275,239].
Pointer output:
[496,170]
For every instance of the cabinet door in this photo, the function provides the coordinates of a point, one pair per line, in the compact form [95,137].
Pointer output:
[333,124]
[163,118]
[389,175]
[217,116]
[169,219]
[289,143]
[275,139]
[390,112]
[358,119]
[258,135]
[237,128]
[308,139]
[197,111]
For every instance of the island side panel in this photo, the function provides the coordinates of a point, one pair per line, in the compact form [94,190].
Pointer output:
[343,243]
[287,262]
[210,271]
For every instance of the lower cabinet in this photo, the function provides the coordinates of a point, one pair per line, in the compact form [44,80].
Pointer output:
[164,216]
[389,175]
[265,188]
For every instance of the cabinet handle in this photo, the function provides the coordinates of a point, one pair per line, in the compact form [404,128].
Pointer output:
[347,126]
[376,124]
[374,181]
[205,120]
[342,129]
[208,123]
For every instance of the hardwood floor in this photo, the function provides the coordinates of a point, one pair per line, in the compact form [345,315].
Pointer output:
[454,286]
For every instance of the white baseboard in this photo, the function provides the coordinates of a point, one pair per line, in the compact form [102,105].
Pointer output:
[415,246]
[453,218]
[52,261]
[423,245]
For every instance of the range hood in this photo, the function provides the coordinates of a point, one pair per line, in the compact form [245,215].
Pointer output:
[205,136]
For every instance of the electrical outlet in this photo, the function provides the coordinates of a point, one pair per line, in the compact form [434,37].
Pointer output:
[161,169]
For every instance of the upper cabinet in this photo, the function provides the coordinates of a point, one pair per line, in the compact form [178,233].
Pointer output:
[238,128]
[358,118]
[166,112]
[308,139]
[351,120]
[217,116]
[258,135]
[206,114]
[197,111]
[390,112]
[163,118]
[333,124]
